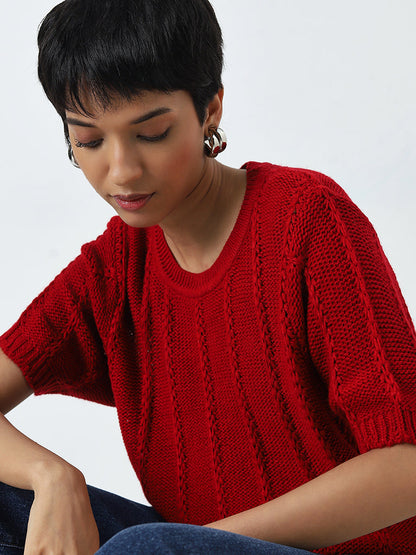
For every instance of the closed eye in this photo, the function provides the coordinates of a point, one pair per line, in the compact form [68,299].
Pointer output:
[145,138]
[91,144]
[154,138]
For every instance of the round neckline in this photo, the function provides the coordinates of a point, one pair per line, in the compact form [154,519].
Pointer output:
[195,284]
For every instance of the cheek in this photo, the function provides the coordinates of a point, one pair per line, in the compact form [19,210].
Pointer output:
[91,176]
[188,157]
[93,171]
[96,181]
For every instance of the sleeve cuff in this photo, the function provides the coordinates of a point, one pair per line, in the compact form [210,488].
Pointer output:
[32,364]
[386,429]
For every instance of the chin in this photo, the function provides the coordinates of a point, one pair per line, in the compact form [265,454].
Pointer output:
[137,221]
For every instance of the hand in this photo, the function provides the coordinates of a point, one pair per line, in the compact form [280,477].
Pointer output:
[61,521]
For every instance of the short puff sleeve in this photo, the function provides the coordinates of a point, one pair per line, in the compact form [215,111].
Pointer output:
[360,334]
[60,341]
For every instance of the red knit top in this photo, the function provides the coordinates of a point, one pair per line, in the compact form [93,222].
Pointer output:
[293,353]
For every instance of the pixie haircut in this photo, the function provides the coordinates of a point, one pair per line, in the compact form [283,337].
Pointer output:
[104,49]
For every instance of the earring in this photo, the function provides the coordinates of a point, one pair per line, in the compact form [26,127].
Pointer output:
[71,156]
[215,143]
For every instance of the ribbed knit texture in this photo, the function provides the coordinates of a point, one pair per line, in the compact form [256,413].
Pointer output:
[293,353]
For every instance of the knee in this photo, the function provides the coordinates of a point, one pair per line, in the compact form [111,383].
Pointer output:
[173,539]
[148,539]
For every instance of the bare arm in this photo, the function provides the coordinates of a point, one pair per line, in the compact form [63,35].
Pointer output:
[13,387]
[367,493]
[61,519]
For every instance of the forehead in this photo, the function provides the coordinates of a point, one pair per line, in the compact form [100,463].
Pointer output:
[142,103]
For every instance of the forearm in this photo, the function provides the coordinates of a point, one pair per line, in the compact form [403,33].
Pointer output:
[27,465]
[362,495]
[61,518]
[24,463]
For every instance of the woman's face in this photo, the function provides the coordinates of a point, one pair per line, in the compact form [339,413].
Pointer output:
[143,156]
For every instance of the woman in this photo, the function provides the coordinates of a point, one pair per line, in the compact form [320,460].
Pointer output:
[244,322]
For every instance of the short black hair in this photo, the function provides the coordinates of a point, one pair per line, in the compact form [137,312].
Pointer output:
[115,48]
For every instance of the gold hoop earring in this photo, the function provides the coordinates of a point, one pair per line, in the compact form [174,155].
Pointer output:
[215,143]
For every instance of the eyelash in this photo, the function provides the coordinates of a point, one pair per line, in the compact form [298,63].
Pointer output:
[146,139]
[91,144]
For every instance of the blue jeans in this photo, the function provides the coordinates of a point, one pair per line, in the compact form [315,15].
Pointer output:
[129,528]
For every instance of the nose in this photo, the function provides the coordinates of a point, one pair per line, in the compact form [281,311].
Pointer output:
[125,165]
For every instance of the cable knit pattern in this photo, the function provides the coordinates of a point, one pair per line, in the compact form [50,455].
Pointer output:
[293,353]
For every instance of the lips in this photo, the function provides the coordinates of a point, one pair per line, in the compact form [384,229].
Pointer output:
[130,198]
[132,202]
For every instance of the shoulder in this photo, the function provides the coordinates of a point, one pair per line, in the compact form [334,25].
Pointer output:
[105,253]
[120,247]
[306,205]
[288,196]
[289,182]
[112,235]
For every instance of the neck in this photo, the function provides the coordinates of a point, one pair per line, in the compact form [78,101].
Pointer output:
[197,234]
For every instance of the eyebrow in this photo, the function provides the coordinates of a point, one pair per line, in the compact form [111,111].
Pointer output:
[141,119]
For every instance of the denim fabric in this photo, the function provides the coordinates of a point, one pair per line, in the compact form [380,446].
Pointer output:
[14,513]
[179,539]
[112,514]
[129,528]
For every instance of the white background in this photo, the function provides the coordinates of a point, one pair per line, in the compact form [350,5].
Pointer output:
[328,85]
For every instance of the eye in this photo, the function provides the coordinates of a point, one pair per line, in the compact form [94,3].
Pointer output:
[154,138]
[91,144]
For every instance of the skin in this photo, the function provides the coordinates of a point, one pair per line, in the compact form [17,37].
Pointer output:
[195,201]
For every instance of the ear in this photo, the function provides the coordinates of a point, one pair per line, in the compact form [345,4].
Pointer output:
[214,112]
